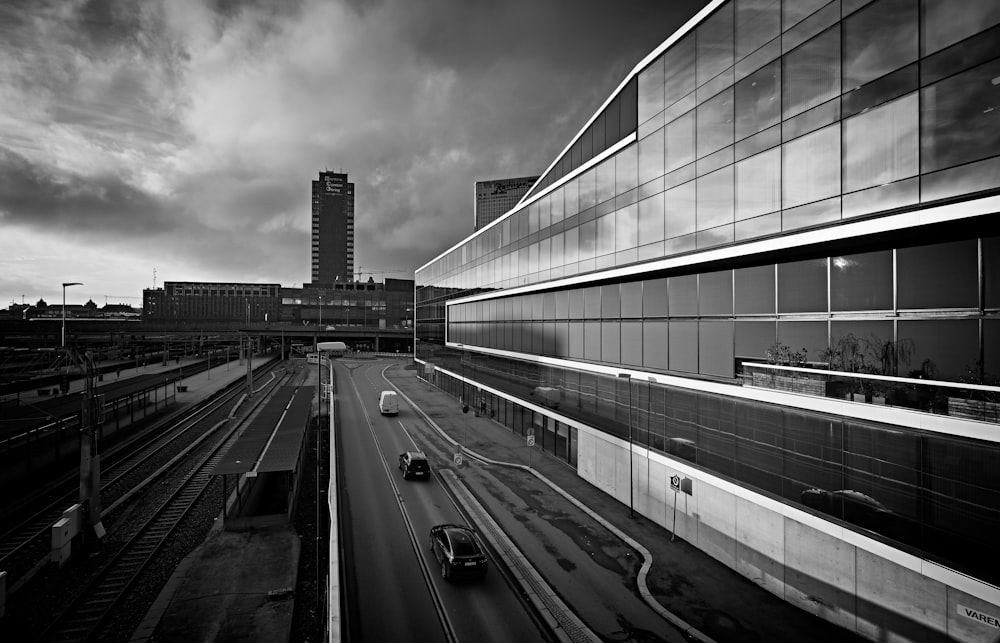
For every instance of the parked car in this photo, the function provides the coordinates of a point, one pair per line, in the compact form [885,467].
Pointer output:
[458,551]
[414,464]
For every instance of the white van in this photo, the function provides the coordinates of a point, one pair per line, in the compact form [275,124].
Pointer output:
[388,403]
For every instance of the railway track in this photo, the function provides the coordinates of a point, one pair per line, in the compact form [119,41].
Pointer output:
[25,545]
[82,619]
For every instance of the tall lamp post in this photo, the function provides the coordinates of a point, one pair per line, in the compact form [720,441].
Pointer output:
[65,284]
[631,498]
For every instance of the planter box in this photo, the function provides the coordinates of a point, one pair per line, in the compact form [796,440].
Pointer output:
[974,409]
[804,385]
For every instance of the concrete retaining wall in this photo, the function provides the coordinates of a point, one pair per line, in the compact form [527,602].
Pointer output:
[840,575]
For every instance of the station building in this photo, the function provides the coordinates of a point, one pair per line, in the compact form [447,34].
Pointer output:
[757,300]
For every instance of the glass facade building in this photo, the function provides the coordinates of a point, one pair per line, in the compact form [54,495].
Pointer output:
[770,262]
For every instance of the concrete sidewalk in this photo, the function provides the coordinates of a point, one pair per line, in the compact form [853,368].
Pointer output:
[585,544]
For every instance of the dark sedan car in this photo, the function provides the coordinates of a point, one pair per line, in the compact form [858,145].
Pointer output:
[414,464]
[458,551]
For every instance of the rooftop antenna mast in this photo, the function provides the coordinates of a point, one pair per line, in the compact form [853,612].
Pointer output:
[154,278]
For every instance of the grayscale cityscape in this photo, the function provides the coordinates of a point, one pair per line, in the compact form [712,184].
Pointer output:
[512,321]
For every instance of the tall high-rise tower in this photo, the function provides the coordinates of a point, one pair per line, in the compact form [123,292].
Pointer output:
[494,198]
[332,228]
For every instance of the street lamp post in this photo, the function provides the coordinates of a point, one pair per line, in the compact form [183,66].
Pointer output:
[631,498]
[65,284]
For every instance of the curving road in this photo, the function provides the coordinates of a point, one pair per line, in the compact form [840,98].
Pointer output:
[392,583]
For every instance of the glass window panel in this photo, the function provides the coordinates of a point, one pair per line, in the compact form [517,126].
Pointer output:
[592,302]
[655,340]
[627,228]
[715,43]
[572,197]
[795,12]
[612,121]
[942,349]
[753,338]
[611,306]
[683,349]
[943,275]
[961,181]
[894,85]
[606,234]
[651,219]
[631,343]
[683,295]
[754,290]
[545,212]
[592,340]
[588,240]
[811,73]
[991,352]
[597,131]
[533,218]
[681,212]
[880,38]
[757,23]
[631,299]
[545,253]
[802,286]
[806,336]
[991,272]
[651,156]
[651,90]
[758,184]
[680,142]
[679,70]
[626,169]
[533,258]
[857,346]
[577,310]
[758,100]
[588,189]
[883,197]
[654,298]
[715,293]
[558,212]
[942,25]
[811,26]
[715,161]
[571,251]
[959,119]
[606,180]
[716,236]
[811,167]
[611,342]
[811,120]
[562,304]
[715,123]
[715,199]
[812,214]
[557,249]
[757,143]
[861,281]
[961,56]
[880,145]
[715,348]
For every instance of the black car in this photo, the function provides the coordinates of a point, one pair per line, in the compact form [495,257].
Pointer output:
[414,464]
[458,551]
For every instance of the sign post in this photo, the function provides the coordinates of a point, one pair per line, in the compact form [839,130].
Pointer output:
[531,443]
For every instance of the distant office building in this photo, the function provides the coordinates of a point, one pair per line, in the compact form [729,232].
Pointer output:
[495,198]
[199,301]
[332,228]
[757,299]
[365,305]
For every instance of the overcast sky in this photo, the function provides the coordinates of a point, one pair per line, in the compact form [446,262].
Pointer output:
[182,136]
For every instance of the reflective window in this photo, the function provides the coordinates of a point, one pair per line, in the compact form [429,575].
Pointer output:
[715,43]
[715,348]
[757,22]
[942,349]
[588,240]
[606,180]
[866,346]
[611,301]
[631,342]
[758,184]
[944,275]
[794,12]
[572,197]
[627,228]
[878,39]
[592,302]
[802,286]
[715,293]
[754,290]
[880,146]
[651,156]
[715,123]
[683,295]
[592,340]
[991,272]
[557,202]
[680,141]
[861,281]
[679,204]
[651,219]
[571,253]
[715,199]
[654,298]
[626,169]
[683,350]
[811,167]
[809,337]
[651,90]
[679,70]
[588,189]
[606,234]
[959,118]
[943,25]
[753,338]
[611,342]
[811,73]
[758,100]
